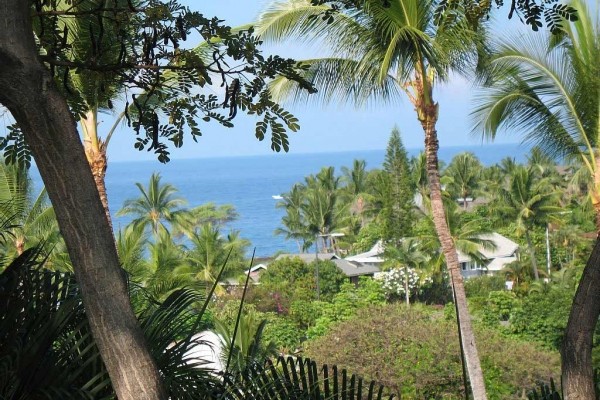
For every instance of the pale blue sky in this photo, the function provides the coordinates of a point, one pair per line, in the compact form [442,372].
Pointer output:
[333,128]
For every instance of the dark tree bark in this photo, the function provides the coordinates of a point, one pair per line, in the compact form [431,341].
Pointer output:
[576,351]
[28,91]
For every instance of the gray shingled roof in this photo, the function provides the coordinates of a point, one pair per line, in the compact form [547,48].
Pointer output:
[355,269]
[308,257]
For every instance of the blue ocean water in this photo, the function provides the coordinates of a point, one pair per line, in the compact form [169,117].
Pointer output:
[250,182]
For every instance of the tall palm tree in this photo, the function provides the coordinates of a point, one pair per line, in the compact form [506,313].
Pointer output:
[379,51]
[96,90]
[548,88]
[158,207]
[532,203]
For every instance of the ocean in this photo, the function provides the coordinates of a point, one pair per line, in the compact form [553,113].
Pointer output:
[249,183]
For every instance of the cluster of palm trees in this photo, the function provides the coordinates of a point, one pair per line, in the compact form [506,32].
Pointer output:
[165,247]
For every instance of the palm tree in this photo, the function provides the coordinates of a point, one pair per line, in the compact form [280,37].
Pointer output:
[356,188]
[468,236]
[95,90]
[294,225]
[543,165]
[209,252]
[379,51]
[32,221]
[531,203]
[418,172]
[519,272]
[322,210]
[463,177]
[158,207]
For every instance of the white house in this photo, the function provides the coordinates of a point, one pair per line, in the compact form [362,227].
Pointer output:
[495,259]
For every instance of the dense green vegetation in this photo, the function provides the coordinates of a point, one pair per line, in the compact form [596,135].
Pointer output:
[170,246]
[419,349]
[175,270]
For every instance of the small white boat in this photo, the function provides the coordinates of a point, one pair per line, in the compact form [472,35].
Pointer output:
[277,197]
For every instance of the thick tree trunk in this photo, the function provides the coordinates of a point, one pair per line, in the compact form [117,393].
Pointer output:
[427,111]
[576,352]
[28,91]
[531,249]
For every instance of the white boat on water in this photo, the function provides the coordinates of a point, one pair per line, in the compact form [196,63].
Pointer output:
[277,197]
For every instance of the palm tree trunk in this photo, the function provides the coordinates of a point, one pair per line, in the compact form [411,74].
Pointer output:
[427,111]
[577,374]
[576,350]
[406,295]
[95,152]
[532,255]
[29,92]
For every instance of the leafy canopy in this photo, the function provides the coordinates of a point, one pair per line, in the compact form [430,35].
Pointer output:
[166,87]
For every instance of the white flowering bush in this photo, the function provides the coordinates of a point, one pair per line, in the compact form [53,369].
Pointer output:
[393,281]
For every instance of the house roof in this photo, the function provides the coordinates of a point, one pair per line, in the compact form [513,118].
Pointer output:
[499,263]
[308,257]
[504,246]
[371,256]
[256,268]
[355,269]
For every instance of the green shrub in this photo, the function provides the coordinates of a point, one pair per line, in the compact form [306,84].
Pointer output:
[542,317]
[284,333]
[345,304]
[416,351]
[498,307]
[481,286]
[290,279]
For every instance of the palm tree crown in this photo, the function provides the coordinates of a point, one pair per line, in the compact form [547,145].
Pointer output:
[547,87]
[158,207]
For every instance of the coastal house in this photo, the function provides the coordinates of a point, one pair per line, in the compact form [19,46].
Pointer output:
[494,259]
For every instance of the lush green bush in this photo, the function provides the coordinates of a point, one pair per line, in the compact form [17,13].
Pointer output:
[481,286]
[284,333]
[415,350]
[305,313]
[290,279]
[542,317]
[499,306]
[345,304]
